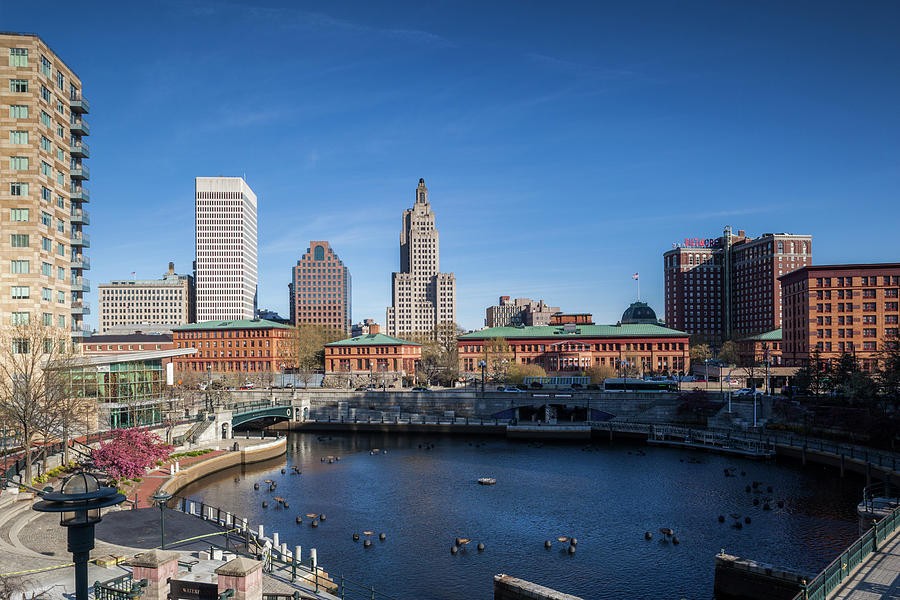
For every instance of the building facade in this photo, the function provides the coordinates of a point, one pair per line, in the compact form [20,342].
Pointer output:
[727,287]
[366,327]
[168,301]
[372,358]
[225,271]
[831,310]
[101,345]
[320,289]
[244,346]
[422,296]
[42,154]
[571,348]
[757,349]
[521,311]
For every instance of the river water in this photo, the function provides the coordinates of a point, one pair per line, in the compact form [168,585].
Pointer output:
[606,495]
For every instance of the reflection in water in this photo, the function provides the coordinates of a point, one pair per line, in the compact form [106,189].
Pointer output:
[605,495]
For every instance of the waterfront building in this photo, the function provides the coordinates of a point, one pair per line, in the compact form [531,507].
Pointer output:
[147,302]
[521,311]
[320,289]
[572,348]
[832,310]
[366,327]
[241,346]
[727,287]
[422,296]
[42,161]
[225,270]
[370,358]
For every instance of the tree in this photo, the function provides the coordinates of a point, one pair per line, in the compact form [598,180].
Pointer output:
[440,353]
[497,357]
[813,376]
[306,348]
[36,364]
[728,353]
[517,373]
[600,373]
[129,453]
[700,353]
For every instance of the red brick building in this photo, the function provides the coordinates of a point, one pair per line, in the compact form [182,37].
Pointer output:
[727,287]
[571,318]
[836,309]
[756,348]
[573,348]
[320,289]
[247,346]
[371,356]
[99,345]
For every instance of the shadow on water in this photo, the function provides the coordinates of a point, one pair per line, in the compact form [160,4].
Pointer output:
[421,491]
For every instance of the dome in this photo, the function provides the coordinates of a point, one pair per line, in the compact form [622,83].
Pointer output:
[639,312]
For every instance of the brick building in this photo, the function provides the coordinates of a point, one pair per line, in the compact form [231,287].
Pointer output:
[571,319]
[320,289]
[756,348]
[373,357]
[727,287]
[99,345]
[246,346]
[573,348]
[366,327]
[836,309]
[521,311]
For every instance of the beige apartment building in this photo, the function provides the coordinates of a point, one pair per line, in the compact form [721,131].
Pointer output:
[147,302]
[42,193]
[423,297]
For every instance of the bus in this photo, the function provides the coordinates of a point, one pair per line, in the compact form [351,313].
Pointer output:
[640,385]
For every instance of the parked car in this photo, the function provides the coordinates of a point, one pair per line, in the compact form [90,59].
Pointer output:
[361,388]
[536,385]
[745,392]
[577,386]
[566,389]
[420,388]
[509,388]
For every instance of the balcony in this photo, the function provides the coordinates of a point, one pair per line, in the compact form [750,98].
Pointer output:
[81,308]
[79,331]
[79,194]
[80,172]
[79,126]
[79,215]
[80,150]
[78,104]
[81,262]
[81,284]
[80,238]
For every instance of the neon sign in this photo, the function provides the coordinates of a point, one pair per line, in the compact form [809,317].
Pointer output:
[698,243]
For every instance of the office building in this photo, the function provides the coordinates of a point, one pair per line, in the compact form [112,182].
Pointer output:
[366,327]
[42,158]
[727,287]
[320,289]
[225,271]
[168,301]
[422,296]
[521,311]
[831,310]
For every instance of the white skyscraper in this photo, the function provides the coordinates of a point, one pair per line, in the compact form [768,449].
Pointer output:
[423,297]
[225,271]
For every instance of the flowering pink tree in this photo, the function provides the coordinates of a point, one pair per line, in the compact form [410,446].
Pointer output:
[130,452]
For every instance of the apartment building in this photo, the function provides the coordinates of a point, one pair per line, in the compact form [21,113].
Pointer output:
[521,311]
[42,154]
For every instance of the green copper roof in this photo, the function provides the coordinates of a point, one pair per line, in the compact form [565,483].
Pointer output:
[373,339]
[769,336]
[242,324]
[580,331]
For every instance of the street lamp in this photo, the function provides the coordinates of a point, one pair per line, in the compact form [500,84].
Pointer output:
[706,362]
[161,499]
[79,501]
[482,364]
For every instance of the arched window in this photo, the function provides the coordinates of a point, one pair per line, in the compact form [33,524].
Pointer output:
[319,253]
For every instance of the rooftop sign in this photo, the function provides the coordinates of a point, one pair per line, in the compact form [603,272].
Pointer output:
[698,243]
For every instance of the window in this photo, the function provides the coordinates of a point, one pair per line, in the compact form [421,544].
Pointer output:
[60,249]
[46,244]
[45,144]
[45,219]
[60,107]
[45,94]
[60,132]
[60,179]
[47,320]
[60,80]
[47,270]
[20,346]
[46,120]
[46,170]
[60,273]
[20,292]
[18,214]
[19,267]
[18,137]
[62,321]
[60,154]
[47,294]
[18,85]
[18,163]
[19,240]
[18,57]
[45,194]
[18,189]
[18,111]
[61,297]
[60,201]
[60,226]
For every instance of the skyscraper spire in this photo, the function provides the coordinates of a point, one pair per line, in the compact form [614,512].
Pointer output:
[422,192]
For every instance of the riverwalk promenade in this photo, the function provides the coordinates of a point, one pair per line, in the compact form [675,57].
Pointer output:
[876,579]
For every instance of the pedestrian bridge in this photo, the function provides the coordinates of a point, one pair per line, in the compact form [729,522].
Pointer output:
[266,412]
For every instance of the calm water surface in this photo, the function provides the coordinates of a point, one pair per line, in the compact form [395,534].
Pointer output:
[607,497]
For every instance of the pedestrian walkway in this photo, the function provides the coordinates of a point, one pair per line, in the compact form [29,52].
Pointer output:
[878,578]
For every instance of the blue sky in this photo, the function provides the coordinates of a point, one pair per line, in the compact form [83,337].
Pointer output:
[565,145]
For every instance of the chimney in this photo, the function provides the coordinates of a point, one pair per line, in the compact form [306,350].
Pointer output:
[171,268]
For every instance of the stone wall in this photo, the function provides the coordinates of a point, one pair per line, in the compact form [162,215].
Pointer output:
[743,579]
[512,588]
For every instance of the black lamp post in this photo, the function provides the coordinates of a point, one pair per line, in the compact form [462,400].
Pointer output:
[162,499]
[79,501]
[482,364]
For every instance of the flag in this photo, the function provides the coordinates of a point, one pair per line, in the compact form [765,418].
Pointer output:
[635,276]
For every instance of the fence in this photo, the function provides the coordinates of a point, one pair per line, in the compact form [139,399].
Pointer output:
[120,588]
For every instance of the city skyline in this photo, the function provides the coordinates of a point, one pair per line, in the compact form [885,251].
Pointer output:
[626,149]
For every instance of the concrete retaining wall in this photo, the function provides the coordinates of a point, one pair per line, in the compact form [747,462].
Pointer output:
[742,579]
[512,588]
[256,453]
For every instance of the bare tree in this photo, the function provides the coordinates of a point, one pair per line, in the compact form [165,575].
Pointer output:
[305,349]
[36,363]
[497,357]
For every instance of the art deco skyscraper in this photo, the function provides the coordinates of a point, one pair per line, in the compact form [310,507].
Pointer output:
[42,156]
[422,296]
[225,272]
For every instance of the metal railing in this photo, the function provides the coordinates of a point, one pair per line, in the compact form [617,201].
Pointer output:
[120,588]
[884,491]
